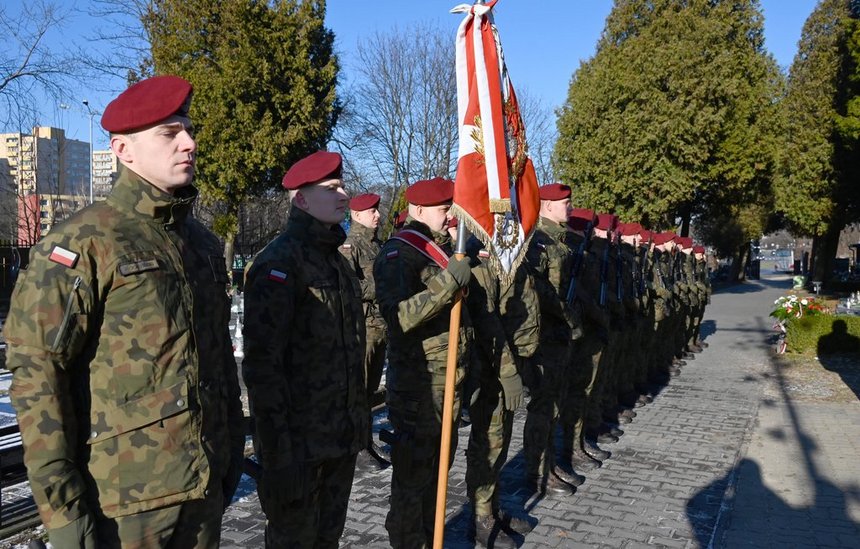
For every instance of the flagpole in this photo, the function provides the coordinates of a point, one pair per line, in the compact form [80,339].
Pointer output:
[448,400]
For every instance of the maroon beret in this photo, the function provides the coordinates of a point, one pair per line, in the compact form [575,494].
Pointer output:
[645,236]
[664,237]
[554,191]
[364,202]
[146,103]
[430,192]
[583,213]
[629,229]
[685,242]
[579,219]
[312,169]
[606,222]
[698,249]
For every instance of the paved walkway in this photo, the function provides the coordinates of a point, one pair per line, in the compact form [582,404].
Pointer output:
[713,462]
[723,457]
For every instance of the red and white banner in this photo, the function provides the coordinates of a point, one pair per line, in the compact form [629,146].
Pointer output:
[496,189]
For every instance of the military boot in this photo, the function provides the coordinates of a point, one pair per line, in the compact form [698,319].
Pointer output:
[580,459]
[602,437]
[701,344]
[695,348]
[627,412]
[489,532]
[644,399]
[553,487]
[572,477]
[595,451]
[514,523]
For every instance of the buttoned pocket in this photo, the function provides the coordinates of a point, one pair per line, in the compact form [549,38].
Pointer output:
[144,449]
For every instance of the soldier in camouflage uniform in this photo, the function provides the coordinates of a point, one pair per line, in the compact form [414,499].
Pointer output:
[415,291]
[582,454]
[664,263]
[703,285]
[550,263]
[304,363]
[606,248]
[506,322]
[360,249]
[124,380]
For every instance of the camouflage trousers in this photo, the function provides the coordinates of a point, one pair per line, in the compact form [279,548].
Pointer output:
[374,358]
[546,381]
[489,440]
[195,523]
[314,520]
[415,413]
[604,380]
[582,373]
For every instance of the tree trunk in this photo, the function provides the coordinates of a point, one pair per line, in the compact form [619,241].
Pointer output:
[685,221]
[816,244]
[739,263]
[825,253]
[229,244]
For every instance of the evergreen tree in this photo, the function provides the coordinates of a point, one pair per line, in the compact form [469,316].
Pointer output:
[264,76]
[674,117]
[816,189]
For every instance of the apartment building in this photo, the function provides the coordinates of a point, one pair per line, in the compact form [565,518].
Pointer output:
[44,178]
[105,167]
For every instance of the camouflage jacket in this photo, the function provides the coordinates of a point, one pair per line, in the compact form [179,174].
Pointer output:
[630,297]
[614,307]
[703,282]
[415,297]
[550,263]
[680,298]
[689,262]
[588,284]
[661,283]
[643,280]
[505,316]
[124,379]
[360,249]
[304,347]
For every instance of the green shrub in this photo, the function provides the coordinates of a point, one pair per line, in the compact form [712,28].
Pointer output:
[824,334]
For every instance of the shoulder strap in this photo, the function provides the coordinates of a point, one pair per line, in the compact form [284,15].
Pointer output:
[424,245]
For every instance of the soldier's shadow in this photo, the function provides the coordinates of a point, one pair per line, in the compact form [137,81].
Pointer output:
[707,329]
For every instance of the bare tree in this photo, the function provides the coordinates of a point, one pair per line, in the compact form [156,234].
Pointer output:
[30,70]
[539,120]
[130,56]
[399,122]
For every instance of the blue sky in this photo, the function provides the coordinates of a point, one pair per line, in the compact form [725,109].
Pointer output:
[544,42]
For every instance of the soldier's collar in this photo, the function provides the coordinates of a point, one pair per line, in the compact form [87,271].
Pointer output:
[552,228]
[133,193]
[442,239]
[306,227]
[361,230]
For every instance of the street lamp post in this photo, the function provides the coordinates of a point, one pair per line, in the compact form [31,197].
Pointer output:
[91,113]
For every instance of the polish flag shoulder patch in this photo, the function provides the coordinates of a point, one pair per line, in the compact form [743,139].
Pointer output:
[393,254]
[346,246]
[64,257]
[484,254]
[277,276]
